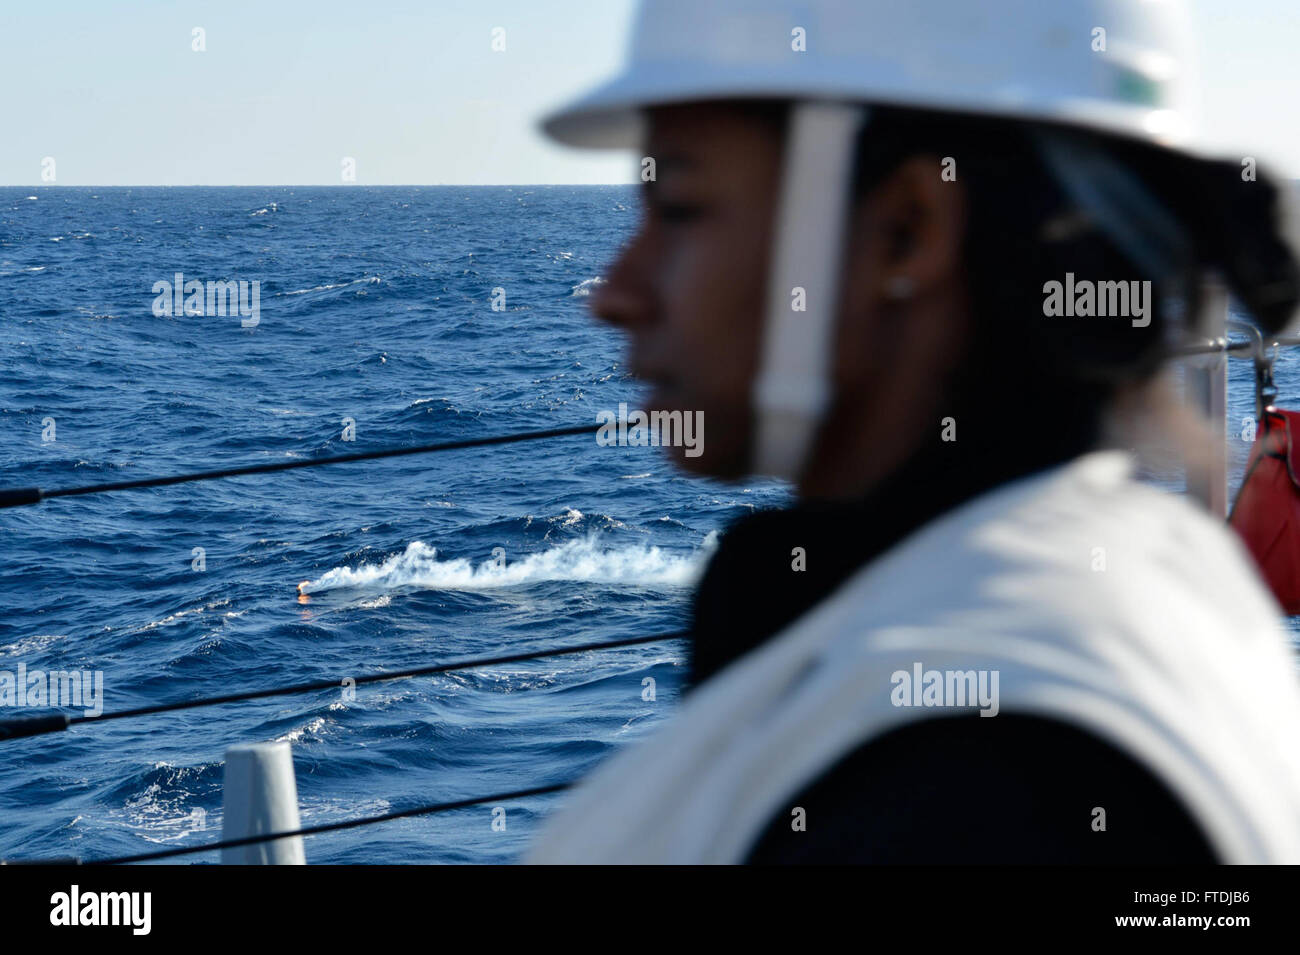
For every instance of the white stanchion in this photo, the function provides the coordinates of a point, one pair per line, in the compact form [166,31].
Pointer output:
[260,796]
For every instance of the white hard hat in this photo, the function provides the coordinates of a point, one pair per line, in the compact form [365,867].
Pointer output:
[1116,66]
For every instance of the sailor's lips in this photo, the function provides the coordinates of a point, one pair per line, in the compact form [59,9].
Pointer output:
[662,382]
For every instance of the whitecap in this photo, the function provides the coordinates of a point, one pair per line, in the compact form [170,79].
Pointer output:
[369,280]
[584,560]
[30,645]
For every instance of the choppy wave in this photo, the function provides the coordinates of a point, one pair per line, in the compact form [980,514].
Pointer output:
[580,561]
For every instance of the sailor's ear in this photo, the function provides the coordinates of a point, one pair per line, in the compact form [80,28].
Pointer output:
[912,224]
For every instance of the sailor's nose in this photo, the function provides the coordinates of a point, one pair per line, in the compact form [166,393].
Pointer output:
[624,298]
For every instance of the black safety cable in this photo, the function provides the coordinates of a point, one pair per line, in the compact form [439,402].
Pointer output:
[306,831]
[53,723]
[16,497]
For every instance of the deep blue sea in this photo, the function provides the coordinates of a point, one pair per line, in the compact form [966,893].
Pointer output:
[375,306]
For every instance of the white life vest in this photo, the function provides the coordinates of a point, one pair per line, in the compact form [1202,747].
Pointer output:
[1100,601]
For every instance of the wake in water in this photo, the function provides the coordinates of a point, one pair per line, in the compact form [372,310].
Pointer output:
[582,561]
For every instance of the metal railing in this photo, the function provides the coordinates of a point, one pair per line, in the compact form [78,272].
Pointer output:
[1207,390]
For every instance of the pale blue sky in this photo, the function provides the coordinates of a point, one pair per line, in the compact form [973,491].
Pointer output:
[413,91]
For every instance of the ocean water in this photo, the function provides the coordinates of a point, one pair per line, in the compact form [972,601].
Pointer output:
[375,306]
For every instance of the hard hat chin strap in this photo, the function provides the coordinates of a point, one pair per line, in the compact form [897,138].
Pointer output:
[793,386]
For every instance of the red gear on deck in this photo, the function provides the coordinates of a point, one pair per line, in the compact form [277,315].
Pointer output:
[1267,511]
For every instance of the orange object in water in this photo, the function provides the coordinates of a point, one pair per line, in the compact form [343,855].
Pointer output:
[1267,511]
